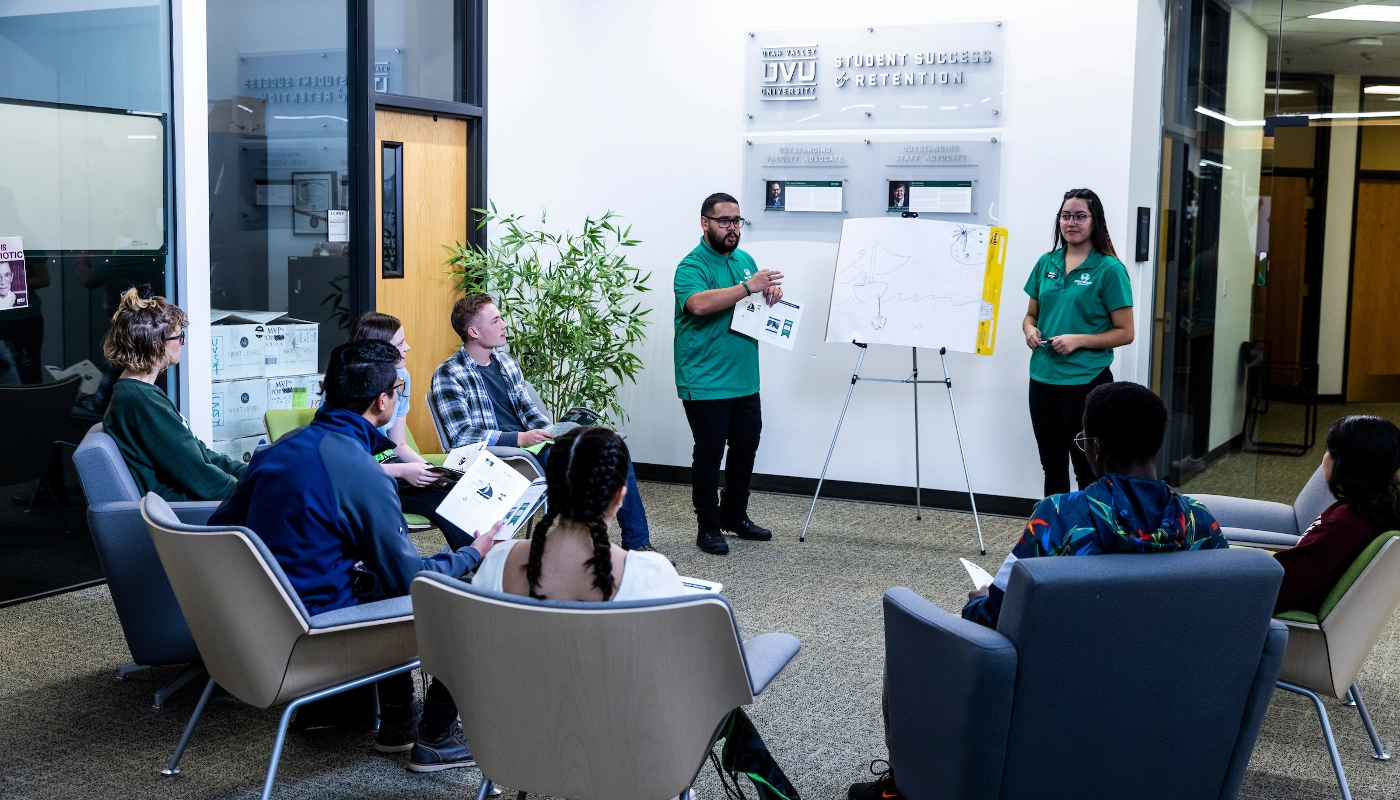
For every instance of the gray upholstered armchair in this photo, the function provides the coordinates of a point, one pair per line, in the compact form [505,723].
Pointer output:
[1142,676]
[1271,526]
[155,630]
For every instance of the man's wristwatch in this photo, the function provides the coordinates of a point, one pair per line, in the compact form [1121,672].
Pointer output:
[747,290]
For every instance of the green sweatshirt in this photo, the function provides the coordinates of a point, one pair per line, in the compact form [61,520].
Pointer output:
[162,453]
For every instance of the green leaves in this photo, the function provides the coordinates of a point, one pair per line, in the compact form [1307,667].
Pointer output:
[570,301]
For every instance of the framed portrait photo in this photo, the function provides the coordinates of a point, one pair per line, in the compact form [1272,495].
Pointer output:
[313,194]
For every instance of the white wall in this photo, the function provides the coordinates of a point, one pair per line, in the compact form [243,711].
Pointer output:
[1239,223]
[637,107]
[191,130]
[1336,244]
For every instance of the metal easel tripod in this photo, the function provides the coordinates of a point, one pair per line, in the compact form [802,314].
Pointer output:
[912,380]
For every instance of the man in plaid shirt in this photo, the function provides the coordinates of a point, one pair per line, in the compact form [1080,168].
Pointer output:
[479,396]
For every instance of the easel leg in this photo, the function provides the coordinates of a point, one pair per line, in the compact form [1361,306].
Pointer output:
[943,354]
[855,376]
[918,484]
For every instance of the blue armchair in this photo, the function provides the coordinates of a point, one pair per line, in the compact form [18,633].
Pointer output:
[1143,676]
[155,630]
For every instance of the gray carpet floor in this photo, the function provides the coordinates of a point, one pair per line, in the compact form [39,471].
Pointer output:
[71,730]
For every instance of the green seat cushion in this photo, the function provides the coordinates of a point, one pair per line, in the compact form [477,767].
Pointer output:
[1297,616]
[282,421]
[414,519]
[1353,572]
[436,459]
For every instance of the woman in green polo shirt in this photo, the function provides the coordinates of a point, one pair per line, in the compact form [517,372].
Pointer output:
[1081,308]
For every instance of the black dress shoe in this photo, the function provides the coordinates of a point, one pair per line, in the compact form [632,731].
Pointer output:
[748,530]
[712,542]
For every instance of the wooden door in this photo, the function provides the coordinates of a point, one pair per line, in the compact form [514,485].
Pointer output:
[1288,255]
[434,191]
[1373,360]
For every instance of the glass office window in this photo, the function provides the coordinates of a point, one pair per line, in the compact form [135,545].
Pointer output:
[417,48]
[278,161]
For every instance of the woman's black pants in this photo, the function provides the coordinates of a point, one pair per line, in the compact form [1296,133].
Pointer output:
[1057,416]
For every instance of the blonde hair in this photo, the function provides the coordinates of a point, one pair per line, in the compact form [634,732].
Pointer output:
[136,340]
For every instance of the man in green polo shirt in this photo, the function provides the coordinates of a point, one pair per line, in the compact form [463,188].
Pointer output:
[717,372]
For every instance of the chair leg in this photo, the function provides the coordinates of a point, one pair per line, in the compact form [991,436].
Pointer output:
[191,672]
[57,505]
[128,668]
[1348,701]
[277,748]
[173,767]
[485,788]
[1326,734]
[1380,754]
[522,795]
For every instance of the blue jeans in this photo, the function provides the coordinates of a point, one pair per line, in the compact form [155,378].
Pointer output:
[631,517]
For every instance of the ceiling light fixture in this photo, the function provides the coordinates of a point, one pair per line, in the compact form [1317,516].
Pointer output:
[1272,90]
[1365,12]
[1365,41]
[1382,89]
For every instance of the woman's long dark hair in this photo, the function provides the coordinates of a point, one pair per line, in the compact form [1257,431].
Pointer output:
[586,468]
[1099,236]
[1365,457]
[372,326]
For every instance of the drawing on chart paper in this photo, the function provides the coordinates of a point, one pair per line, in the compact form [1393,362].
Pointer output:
[919,283]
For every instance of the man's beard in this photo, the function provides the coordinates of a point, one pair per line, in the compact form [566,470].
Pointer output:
[719,244]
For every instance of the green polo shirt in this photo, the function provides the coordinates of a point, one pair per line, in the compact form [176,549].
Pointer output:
[1076,302]
[712,362]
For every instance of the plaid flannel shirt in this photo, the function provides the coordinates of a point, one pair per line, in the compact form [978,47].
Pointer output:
[464,408]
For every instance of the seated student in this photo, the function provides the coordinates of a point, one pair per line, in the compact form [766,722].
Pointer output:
[1362,456]
[164,457]
[1127,510]
[414,476]
[569,556]
[479,395]
[321,503]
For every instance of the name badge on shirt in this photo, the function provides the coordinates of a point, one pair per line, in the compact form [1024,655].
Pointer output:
[1052,275]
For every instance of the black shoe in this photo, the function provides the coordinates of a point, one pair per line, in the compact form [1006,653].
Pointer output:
[712,542]
[449,752]
[646,548]
[398,736]
[747,530]
[882,788]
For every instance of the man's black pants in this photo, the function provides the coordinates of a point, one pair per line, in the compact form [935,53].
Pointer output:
[1057,416]
[396,705]
[736,422]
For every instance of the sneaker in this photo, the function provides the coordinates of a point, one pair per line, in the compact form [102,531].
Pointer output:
[882,788]
[398,737]
[449,752]
[748,530]
[646,548]
[712,542]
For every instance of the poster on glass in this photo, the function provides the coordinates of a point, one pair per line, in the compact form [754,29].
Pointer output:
[14,288]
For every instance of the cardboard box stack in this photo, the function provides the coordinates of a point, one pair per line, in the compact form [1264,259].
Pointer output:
[261,360]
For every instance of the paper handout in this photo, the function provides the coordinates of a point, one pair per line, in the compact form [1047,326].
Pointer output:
[462,457]
[981,579]
[487,492]
[775,324]
[697,586]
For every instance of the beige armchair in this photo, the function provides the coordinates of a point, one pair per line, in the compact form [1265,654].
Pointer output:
[604,701]
[1327,650]
[257,639]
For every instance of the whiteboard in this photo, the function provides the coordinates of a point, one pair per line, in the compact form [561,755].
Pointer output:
[917,283]
[80,179]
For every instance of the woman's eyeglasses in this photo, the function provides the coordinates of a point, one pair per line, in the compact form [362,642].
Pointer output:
[180,338]
[1065,216]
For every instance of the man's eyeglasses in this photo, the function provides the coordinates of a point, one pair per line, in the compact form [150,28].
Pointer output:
[1082,439]
[1065,216]
[400,388]
[180,338]
[729,222]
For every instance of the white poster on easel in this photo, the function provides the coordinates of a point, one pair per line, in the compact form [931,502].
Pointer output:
[917,283]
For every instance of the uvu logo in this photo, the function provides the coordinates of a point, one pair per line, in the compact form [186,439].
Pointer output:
[789,73]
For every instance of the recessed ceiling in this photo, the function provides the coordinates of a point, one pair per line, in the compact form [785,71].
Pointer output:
[1327,46]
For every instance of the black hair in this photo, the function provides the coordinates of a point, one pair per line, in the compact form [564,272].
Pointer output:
[359,372]
[1127,419]
[714,200]
[1365,456]
[1098,237]
[586,468]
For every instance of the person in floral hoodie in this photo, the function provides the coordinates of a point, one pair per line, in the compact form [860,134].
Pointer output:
[1128,510]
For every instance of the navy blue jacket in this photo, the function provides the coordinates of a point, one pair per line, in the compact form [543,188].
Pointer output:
[320,502]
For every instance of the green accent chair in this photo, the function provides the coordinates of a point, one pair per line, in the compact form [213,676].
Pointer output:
[282,421]
[1327,650]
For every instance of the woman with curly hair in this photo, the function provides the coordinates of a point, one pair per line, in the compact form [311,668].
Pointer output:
[164,457]
[569,556]
[1360,464]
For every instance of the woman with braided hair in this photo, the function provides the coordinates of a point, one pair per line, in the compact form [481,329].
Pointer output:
[570,556]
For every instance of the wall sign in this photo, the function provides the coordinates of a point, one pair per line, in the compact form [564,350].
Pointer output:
[946,75]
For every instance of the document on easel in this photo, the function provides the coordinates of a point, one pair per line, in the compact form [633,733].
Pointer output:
[490,491]
[775,324]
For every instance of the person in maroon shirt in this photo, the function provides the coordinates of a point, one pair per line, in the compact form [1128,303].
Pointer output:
[1360,464]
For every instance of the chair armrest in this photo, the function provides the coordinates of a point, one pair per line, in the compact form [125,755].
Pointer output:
[195,512]
[767,655]
[516,452]
[949,690]
[1265,540]
[1257,515]
[1260,693]
[394,608]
